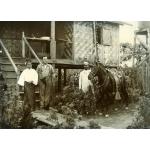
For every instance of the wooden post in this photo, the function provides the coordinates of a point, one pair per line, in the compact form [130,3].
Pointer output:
[59,79]
[23,45]
[94,40]
[65,73]
[53,42]
[53,50]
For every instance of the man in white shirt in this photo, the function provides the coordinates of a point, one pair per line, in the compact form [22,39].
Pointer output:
[84,82]
[28,79]
[86,86]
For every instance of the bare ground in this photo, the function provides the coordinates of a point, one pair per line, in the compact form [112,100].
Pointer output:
[120,119]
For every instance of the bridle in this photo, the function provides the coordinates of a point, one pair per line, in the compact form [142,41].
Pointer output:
[104,83]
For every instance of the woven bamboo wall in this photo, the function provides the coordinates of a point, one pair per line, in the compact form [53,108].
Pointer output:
[84,45]
[83,40]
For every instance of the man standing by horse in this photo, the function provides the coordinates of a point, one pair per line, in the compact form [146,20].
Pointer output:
[46,85]
[86,87]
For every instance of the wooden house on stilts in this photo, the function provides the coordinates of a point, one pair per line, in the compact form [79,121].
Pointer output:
[65,43]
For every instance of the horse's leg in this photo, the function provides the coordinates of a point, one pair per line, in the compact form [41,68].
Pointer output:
[100,106]
[106,105]
[125,97]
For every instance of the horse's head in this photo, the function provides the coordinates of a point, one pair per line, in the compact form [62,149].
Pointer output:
[97,70]
[93,73]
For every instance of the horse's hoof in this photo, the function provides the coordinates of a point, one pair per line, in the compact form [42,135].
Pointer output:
[126,108]
[106,115]
[100,114]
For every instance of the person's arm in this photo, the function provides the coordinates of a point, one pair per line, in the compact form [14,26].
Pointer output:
[21,79]
[35,79]
[38,68]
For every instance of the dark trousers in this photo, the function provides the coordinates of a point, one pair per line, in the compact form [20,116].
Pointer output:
[46,92]
[29,97]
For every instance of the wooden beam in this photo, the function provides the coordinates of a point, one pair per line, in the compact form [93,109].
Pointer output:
[65,75]
[23,45]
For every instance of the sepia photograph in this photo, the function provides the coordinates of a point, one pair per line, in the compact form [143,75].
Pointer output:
[74,74]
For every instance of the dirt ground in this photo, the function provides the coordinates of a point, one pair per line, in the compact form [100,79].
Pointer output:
[117,120]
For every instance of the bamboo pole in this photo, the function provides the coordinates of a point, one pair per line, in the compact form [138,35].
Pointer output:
[9,57]
[94,39]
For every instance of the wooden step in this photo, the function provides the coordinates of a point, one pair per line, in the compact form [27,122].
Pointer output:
[11,81]
[9,74]
[10,67]
[9,63]
[20,59]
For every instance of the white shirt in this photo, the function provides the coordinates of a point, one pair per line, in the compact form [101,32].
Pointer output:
[84,82]
[28,75]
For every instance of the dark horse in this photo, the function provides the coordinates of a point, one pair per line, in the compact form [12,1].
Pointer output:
[106,88]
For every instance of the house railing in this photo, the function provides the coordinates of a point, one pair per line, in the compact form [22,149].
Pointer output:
[25,41]
[9,57]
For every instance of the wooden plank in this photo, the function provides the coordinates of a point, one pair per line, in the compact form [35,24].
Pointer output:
[42,116]
[38,39]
